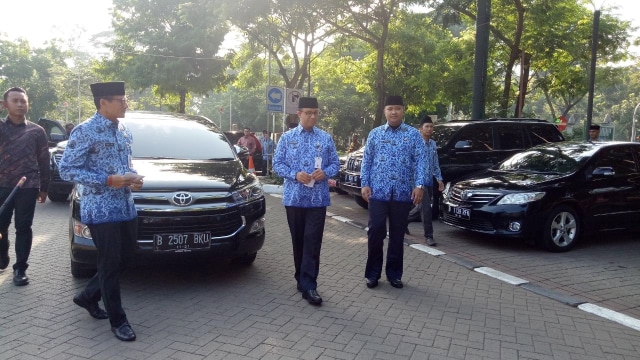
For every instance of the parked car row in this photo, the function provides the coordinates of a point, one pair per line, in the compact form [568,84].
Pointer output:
[551,194]
[198,201]
[465,147]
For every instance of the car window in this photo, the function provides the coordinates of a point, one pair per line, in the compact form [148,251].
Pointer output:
[540,134]
[509,137]
[442,134]
[479,137]
[185,140]
[619,158]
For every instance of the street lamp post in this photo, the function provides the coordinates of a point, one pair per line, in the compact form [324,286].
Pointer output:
[633,124]
[592,70]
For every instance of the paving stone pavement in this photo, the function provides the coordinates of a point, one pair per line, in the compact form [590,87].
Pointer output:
[223,311]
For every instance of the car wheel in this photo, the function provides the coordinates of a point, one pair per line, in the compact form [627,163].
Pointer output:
[57,197]
[362,202]
[246,260]
[561,230]
[79,270]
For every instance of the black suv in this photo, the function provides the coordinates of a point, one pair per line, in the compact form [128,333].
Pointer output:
[59,189]
[465,147]
[197,202]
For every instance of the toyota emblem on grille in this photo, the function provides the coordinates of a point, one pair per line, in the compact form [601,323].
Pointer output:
[182,199]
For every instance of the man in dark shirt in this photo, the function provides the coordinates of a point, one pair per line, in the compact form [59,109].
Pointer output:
[24,151]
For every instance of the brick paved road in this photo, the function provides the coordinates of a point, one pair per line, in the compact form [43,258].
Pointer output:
[445,310]
[603,270]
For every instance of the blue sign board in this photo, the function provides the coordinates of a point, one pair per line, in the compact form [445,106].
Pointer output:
[275,99]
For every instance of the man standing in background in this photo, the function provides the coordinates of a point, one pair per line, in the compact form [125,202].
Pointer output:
[432,170]
[24,151]
[268,148]
[306,158]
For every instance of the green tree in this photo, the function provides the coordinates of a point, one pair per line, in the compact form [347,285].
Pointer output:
[35,70]
[169,46]
[547,37]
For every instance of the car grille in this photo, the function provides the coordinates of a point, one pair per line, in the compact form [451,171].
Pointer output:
[472,197]
[473,224]
[354,164]
[221,224]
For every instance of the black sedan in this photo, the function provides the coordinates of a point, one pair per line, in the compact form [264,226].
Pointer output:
[197,202]
[551,193]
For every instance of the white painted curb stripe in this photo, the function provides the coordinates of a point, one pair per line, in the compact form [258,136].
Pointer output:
[340,218]
[272,189]
[429,250]
[500,275]
[611,315]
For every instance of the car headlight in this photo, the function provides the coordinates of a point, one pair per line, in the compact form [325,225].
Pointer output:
[520,198]
[249,193]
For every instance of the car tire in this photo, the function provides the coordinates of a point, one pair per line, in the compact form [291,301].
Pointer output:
[79,270]
[57,197]
[246,260]
[561,230]
[360,201]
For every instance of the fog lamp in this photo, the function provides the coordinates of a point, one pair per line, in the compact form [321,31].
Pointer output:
[515,226]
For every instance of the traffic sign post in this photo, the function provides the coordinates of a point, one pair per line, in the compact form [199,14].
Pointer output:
[275,99]
[293,95]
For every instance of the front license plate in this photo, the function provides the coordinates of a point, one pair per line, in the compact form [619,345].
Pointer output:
[182,241]
[460,212]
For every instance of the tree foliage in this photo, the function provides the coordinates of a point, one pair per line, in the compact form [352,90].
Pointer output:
[170,46]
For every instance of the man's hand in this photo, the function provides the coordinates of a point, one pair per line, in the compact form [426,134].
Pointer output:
[303,177]
[440,185]
[366,193]
[42,196]
[128,179]
[416,195]
[318,175]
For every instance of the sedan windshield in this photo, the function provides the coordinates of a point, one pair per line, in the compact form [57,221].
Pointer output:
[546,159]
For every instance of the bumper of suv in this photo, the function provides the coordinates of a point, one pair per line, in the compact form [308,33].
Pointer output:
[231,237]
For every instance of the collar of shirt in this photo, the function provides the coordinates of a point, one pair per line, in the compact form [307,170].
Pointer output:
[402,127]
[101,120]
[300,130]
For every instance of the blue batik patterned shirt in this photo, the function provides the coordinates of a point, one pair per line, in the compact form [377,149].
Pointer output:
[432,168]
[393,163]
[297,151]
[96,149]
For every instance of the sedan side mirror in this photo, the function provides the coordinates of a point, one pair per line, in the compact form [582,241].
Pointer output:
[603,171]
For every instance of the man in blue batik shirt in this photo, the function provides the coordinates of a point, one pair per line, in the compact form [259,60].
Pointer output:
[268,148]
[306,158]
[392,178]
[98,159]
[432,170]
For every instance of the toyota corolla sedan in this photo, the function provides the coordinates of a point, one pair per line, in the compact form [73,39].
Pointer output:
[551,194]
[197,202]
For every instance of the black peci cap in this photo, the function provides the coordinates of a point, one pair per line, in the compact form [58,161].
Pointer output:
[107,89]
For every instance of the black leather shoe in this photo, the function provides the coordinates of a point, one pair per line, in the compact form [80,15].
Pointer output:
[312,297]
[371,283]
[396,283]
[300,288]
[124,332]
[93,308]
[20,277]
[4,261]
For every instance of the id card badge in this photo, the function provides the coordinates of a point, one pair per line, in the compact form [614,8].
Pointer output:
[318,163]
